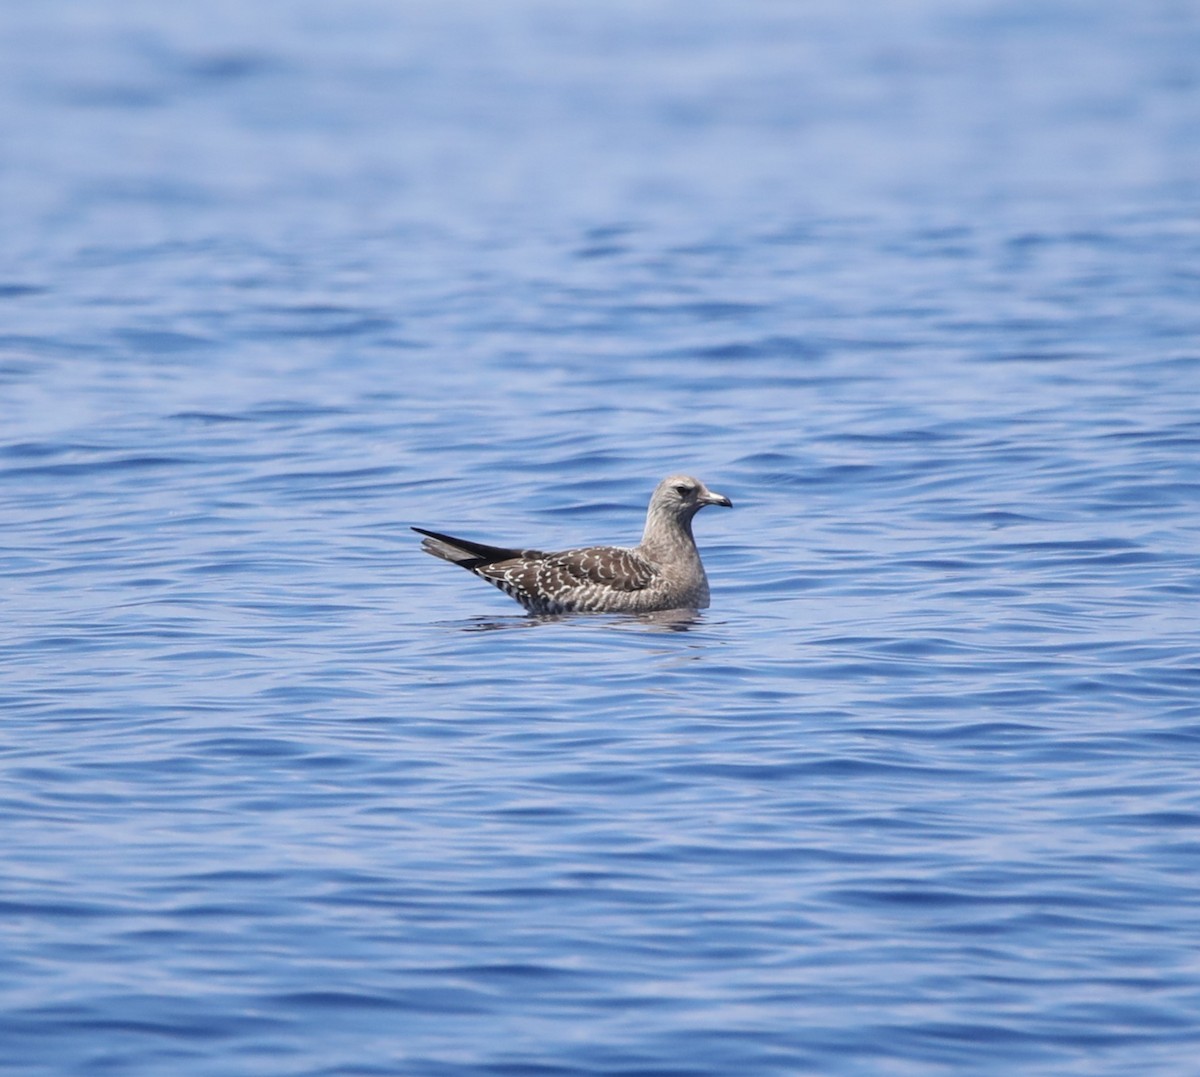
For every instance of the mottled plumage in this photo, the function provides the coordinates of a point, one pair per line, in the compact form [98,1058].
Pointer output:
[663,572]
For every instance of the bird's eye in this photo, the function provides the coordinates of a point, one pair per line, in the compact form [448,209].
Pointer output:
[683,491]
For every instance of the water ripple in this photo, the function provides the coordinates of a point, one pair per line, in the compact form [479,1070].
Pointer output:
[916,794]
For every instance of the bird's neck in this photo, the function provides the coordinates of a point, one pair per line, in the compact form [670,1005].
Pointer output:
[668,536]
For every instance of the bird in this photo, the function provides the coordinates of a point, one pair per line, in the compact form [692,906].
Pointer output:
[663,572]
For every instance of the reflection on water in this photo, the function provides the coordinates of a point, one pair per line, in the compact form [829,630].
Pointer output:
[658,620]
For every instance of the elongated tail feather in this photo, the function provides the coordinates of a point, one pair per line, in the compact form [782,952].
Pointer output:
[463,551]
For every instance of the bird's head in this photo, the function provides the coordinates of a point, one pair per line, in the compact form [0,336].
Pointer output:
[683,496]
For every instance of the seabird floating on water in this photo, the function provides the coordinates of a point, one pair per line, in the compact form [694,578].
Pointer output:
[663,572]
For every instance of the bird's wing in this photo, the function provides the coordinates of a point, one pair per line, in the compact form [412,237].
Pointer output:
[556,576]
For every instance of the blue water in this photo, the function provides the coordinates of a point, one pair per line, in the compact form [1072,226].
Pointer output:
[917,285]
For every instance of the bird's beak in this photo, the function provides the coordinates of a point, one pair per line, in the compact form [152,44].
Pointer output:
[711,498]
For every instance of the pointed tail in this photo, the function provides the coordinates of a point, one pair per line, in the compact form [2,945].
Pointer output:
[462,551]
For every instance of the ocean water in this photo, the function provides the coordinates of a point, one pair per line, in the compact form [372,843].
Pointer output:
[917,285]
